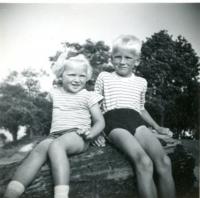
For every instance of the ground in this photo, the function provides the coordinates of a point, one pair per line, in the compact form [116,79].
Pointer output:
[10,154]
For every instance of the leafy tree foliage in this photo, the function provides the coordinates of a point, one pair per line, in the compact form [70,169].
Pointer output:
[21,103]
[171,68]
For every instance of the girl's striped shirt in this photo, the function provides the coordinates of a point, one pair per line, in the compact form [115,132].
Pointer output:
[72,110]
[121,92]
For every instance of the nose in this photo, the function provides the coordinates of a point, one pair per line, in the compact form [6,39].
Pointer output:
[123,61]
[76,78]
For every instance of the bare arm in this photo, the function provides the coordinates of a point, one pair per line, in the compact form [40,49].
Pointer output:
[98,122]
[147,117]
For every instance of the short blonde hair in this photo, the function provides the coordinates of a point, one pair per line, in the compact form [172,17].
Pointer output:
[78,60]
[128,42]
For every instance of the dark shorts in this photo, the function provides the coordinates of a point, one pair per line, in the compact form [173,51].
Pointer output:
[123,118]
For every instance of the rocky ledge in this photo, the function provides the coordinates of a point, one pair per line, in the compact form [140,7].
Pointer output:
[104,173]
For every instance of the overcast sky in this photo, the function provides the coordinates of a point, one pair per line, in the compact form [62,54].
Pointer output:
[30,33]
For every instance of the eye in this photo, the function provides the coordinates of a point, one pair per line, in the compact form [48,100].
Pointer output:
[71,74]
[82,75]
[117,57]
[128,57]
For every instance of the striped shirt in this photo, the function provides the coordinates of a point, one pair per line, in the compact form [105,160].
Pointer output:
[121,92]
[72,110]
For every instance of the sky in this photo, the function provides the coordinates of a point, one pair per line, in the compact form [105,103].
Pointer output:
[30,33]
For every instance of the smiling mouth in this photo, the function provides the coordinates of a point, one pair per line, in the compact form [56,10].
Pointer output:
[76,86]
[123,67]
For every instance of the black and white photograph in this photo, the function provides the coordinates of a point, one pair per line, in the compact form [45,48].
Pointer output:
[99,99]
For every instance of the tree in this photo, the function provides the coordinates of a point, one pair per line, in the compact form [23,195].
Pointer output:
[28,79]
[12,109]
[171,68]
[24,104]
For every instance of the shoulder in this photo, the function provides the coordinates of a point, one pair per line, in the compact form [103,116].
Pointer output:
[104,75]
[56,90]
[53,93]
[84,94]
[90,94]
[141,80]
[91,97]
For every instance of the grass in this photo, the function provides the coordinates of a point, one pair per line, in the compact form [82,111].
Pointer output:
[193,147]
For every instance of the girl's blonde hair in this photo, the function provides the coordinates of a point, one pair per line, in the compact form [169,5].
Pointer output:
[128,42]
[58,69]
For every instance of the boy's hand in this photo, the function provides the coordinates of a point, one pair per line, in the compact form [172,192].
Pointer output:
[99,141]
[164,131]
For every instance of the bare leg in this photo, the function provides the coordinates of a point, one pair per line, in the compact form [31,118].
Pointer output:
[162,162]
[144,167]
[30,166]
[59,150]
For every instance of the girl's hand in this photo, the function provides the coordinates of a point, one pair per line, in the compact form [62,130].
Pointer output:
[164,131]
[85,134]
[88,135]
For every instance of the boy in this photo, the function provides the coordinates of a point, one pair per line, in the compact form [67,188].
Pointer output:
[127,119]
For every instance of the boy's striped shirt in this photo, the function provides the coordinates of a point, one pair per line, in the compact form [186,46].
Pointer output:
[121,92]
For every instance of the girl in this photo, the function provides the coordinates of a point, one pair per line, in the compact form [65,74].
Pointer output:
[74,108]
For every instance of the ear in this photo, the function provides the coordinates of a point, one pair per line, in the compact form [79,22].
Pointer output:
[111,59]
[60,80]
[137,62]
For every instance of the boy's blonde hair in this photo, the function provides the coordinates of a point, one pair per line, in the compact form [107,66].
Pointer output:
[127,42]
[58,69]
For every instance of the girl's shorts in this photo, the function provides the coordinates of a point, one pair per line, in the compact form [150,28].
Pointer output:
[57,134]
[128,119]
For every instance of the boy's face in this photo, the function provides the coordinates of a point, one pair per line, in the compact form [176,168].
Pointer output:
[124,60]
[74,77]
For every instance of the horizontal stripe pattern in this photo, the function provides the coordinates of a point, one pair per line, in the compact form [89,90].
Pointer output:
[121,92]
[72,110]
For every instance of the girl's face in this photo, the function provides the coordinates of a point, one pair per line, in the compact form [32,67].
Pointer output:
[74,77]
[124,61]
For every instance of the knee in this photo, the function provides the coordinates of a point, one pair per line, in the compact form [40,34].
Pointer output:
[145,165]
[164,165]
[40,149]
[54,147]
[142,128]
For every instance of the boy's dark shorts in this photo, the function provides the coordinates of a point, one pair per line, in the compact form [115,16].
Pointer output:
[128,119]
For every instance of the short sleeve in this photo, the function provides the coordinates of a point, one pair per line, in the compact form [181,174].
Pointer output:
[98,88]
[49,96]
[94,98]
[143,95]
[51,93]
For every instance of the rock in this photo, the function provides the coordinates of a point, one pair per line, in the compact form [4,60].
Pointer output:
[104,173]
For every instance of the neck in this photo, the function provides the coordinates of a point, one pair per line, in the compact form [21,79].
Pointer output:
[127,76]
